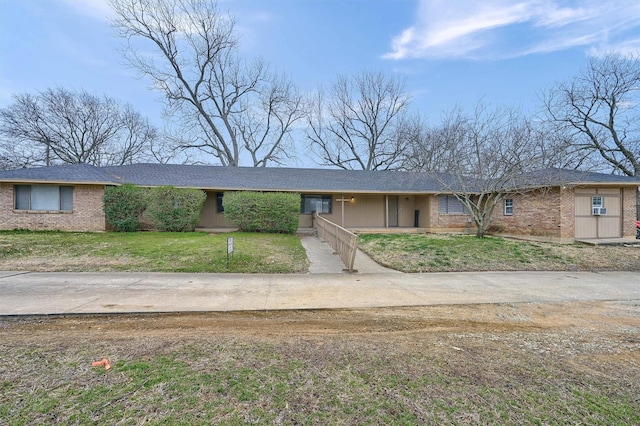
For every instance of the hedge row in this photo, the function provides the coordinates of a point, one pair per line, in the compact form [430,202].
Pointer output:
[263,211]
[178,210]
[123,206]
[170,209]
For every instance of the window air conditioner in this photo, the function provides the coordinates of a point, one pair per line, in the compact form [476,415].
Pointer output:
[599,211]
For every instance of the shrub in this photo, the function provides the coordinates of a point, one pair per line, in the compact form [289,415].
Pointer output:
[263,211]
[175,209]
[123,206]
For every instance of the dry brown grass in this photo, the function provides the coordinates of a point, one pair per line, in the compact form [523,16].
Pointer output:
[442,253]
[566,363]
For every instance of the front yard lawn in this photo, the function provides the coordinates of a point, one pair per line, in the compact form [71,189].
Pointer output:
[281,253]
[150,252]
[441,253]
[503,364]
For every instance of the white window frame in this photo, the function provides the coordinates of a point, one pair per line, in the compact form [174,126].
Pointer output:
[508,207]
[600,198]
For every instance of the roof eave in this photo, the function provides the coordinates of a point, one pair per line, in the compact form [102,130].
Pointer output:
[618,184]
[326,190]
[57,182]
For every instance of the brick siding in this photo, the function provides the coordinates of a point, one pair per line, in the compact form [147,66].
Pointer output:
[87,214]
[629,212]
[448,222]
[546,214]
[567,214]
[540,213]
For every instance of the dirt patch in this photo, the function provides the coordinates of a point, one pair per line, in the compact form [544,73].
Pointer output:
[473,364]
[83,263]
[601,321]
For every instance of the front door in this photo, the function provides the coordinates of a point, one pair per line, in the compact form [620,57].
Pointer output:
[392,211]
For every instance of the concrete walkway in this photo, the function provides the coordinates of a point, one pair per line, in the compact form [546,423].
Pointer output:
[325,287]
[324,261]
[24,293]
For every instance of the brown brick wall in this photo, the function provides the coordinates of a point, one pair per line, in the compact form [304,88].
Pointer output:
[552,214]
[87,214]
[629,199]
[448,222]
[567,213]
[539,213]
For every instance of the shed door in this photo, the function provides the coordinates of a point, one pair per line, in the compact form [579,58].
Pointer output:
[589,225]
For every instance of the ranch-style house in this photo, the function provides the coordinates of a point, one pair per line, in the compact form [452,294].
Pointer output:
[558,205]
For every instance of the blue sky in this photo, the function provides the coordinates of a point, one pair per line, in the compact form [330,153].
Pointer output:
[451,52]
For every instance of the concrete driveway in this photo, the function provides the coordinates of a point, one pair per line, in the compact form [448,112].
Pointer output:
[26,293]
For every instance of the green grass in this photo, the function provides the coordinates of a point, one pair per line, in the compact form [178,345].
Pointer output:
[281,253]
[435,253]
[151,251]
[233,382]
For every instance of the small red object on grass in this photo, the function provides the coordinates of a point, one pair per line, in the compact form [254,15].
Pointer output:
[103,361]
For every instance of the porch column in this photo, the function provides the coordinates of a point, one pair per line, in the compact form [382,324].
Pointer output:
[342,199]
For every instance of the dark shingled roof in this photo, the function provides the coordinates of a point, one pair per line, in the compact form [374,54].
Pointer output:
[66,173]
[286,179]
[274,179]
[560,177]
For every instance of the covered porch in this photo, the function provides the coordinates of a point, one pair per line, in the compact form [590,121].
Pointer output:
[361,211]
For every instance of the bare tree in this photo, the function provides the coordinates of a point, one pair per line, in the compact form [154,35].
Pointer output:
[481,158]
[265,127]
[359,123]
[555,147]
[58,125]
[549,147]
[427,146]
[17,154]
[217,98]
[601,109]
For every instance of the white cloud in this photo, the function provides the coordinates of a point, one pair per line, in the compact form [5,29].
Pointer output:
[557,44]
[503,28]
[549,14]
[629,48]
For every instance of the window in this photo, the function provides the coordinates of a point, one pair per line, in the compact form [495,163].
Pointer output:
[312,203]
[448,204]
[597,206]
[508,206]
[43,197]
[219,205]
[597,201]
